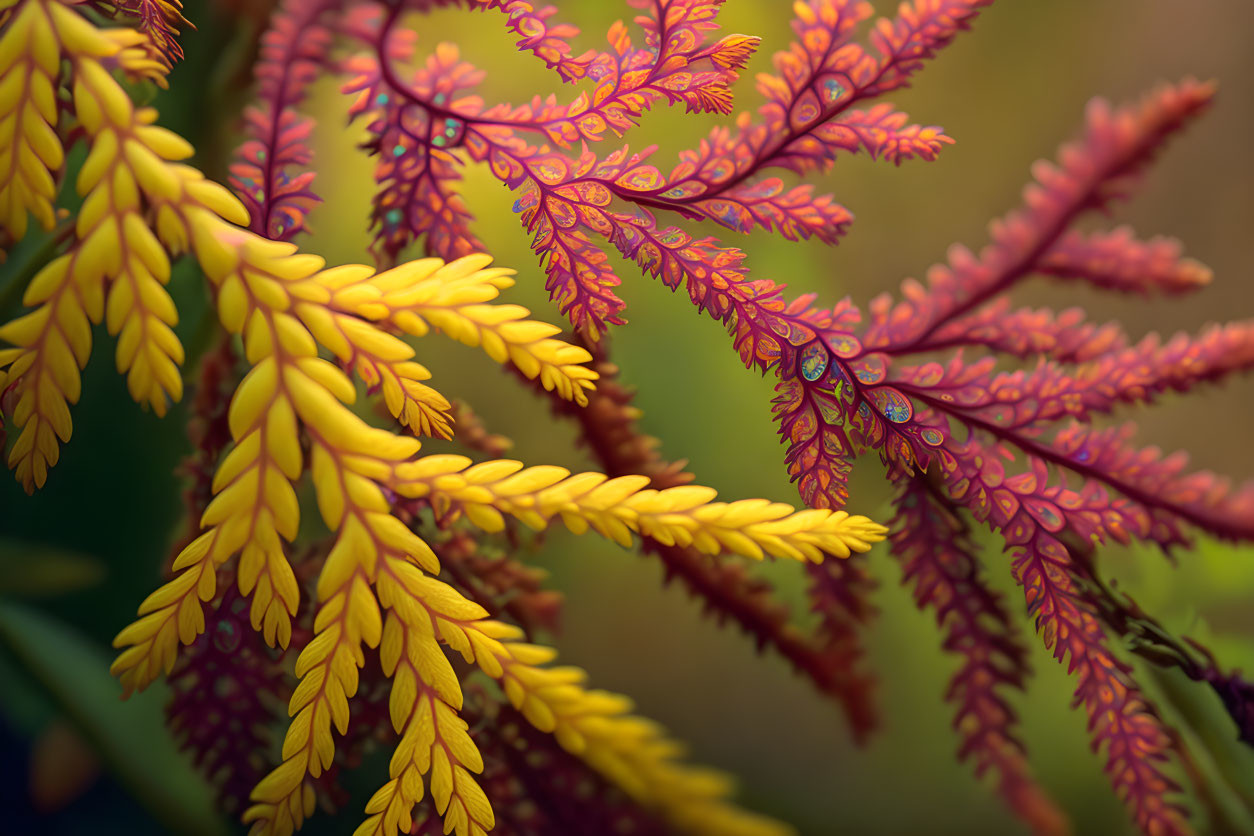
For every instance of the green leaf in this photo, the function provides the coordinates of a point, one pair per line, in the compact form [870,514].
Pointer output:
[130,737]
[31,571]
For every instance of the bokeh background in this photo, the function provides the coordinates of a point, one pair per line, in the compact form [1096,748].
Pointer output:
[76,559]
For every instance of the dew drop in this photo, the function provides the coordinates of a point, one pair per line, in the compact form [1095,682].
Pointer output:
[832,90]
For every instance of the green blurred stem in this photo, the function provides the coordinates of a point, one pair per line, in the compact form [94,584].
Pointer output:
[1220,767]
[10,296]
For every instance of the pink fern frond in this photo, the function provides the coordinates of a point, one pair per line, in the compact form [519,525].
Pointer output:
[1065,337]
[1161,493]
[417,174]
[883,133]
[1117,260]
[1100,166]
[920,30]
[1130,375]
[1030,512]
[548,41]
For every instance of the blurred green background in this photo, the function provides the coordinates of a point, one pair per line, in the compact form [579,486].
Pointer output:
[76,559]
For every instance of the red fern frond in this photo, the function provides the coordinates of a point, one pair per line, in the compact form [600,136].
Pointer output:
[1029,513]
[939,559]
[417,173]
[884,134]
[1121,720]
[840,594]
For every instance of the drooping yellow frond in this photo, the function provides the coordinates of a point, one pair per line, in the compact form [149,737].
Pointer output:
[597,726]
[117,269]
[626,506]
[30,150]
[425,698]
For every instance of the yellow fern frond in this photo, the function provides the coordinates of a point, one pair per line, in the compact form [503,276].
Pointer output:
[327,668]
[115,254]
[597,726]
[30,150]
[424,701]
[381,360]
[623,507]
[454,298]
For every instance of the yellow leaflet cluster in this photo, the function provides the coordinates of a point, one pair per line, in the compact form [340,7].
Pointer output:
[377,587]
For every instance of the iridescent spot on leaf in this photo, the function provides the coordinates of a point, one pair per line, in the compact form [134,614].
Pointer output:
[844,345]
[550,171]
[728,214]
[890,403]
[871,369]
[526,201]
[687,189]
[832,90]
[932,437]
[226,636]
[813,361]
[641,178]
[1045,513]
